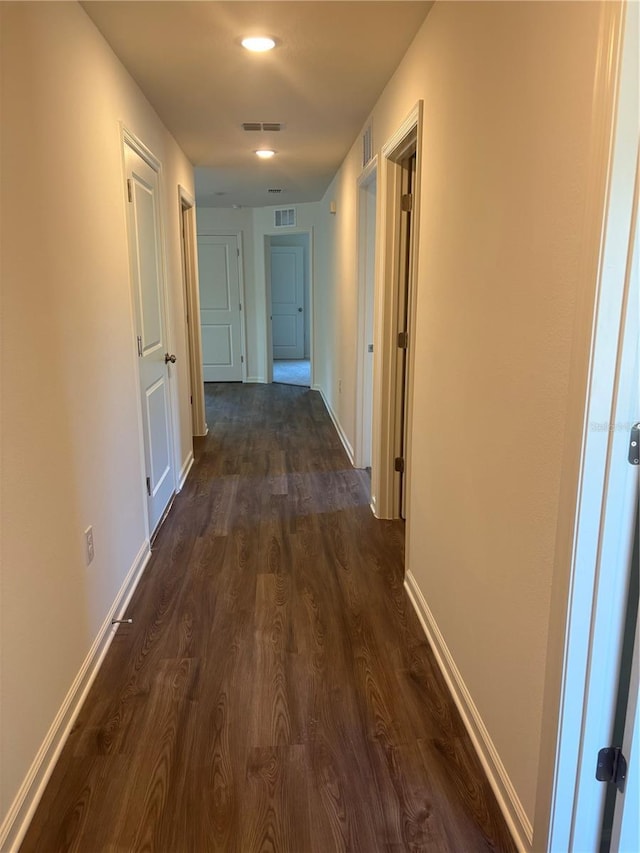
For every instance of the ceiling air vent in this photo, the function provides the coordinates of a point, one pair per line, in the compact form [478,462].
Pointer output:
[367,145]
[285,217]
[262,125]
[274,190]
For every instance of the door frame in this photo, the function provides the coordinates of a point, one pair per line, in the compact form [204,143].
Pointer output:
[384,480]
[243,332]
[299,253]
[128,138]
[366,280]
[267,292]
[587,612]
[191,296]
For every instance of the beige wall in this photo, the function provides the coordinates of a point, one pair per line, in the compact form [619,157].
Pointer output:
[507,91]
[70,437]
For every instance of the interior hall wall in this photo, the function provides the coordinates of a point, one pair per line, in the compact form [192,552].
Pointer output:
[507,117]
[70,437]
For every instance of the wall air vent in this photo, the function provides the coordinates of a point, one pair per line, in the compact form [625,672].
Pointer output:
[367,145]
[285,217]
[262,125]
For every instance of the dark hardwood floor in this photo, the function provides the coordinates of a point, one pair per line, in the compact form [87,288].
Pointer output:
[275,691]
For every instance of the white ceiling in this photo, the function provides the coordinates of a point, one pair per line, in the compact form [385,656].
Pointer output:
[332,60]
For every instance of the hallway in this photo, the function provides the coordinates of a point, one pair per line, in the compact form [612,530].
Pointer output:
[275,690]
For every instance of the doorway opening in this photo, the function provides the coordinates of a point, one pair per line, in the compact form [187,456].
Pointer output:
[395,310]
[289,305]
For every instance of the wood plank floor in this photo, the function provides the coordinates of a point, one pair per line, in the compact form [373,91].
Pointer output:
[275,691]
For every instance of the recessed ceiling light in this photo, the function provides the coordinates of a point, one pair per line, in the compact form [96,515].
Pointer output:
[265,153]
[258,44]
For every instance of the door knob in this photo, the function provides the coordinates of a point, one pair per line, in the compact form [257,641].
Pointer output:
[169,358]
[300,310]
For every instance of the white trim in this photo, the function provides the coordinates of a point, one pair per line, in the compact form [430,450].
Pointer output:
[191,301]
[260,380]
[367,178]
[136,144]
[16,822]
[384,480]
[408,125]
[184,471]
[510,805]
[367,173]
[607,491]
[336,422]
[574,616]
[243,302]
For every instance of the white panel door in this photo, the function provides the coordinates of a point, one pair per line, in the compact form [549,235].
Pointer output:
[220,308]
[147,276]
[287,301]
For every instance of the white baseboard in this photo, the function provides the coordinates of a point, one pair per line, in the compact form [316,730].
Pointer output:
[184,471]
[510,805]
[16,822]
[259,379]
[341,433]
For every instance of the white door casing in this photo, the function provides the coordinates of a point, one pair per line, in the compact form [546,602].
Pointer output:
[220,307]
[287,301]
[192,310]
[625,836]
[149,303]
[607,499]
[385,485]
[367,195]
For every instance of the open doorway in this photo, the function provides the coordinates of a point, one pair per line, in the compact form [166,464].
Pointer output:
[395,310]
[288,266]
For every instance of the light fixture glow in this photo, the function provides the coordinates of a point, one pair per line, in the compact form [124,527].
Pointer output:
[265,153]
[258,44]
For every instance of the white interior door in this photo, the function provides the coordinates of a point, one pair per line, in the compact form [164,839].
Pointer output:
[370,249]
[287,301]
[148,284]
[220,311]
[367,185]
